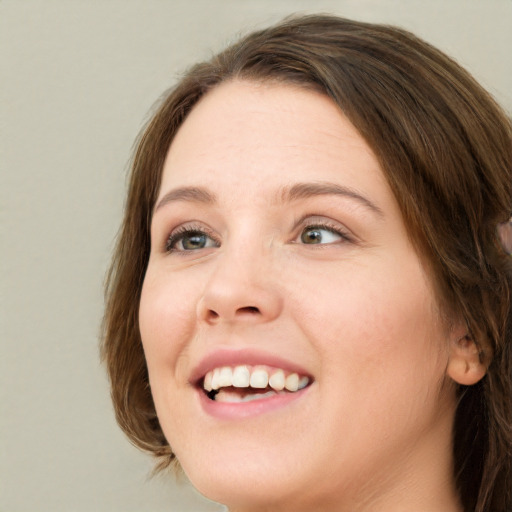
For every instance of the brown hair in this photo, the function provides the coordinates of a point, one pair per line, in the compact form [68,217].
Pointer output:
[446,150]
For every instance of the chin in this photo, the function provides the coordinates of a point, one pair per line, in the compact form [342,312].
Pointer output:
[242,489]
[247,476]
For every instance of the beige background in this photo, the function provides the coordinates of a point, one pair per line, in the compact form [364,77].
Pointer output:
[77,79]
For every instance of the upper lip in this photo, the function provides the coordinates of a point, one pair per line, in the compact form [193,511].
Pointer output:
[234,357]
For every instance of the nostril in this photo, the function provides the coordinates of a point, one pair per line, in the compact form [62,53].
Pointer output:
[212,315]
[251,310]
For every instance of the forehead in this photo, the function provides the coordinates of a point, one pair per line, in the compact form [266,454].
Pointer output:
[257,137]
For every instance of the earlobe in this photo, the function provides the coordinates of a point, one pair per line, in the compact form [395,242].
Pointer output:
[465,365]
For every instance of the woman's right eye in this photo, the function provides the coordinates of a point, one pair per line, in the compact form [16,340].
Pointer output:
[189,240]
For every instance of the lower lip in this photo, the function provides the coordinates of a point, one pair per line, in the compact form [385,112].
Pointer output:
[238,410]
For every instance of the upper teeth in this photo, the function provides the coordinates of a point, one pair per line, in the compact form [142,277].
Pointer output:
[244,376]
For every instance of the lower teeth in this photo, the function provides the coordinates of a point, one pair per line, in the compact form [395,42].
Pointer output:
[233,397]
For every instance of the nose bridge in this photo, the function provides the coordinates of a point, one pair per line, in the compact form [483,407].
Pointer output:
[242,286]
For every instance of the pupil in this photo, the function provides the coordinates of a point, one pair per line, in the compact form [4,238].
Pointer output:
[312,236]
[194,241]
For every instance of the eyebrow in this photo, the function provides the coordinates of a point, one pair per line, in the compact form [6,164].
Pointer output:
[287,194]
[190,194]
[306,190]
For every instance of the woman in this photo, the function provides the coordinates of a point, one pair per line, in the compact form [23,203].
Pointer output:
[309,303]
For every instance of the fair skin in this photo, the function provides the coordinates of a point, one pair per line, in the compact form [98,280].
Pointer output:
[278,245]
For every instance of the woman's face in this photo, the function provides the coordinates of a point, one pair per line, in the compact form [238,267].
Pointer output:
[278,251]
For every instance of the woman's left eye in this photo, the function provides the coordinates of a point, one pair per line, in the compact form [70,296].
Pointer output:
[313,235]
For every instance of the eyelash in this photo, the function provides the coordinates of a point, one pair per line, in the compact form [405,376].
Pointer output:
[332,228]
[180,233]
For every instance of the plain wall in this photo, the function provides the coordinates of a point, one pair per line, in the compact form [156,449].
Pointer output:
[77,79]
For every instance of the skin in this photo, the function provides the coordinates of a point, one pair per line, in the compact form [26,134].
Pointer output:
[357,311]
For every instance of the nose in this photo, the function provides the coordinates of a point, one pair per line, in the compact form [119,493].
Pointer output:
[242,288]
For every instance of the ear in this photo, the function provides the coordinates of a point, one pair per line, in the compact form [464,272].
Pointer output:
[465,365]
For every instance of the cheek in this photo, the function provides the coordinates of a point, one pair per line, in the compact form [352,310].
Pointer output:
[382,361]
[375,325]
[167,322]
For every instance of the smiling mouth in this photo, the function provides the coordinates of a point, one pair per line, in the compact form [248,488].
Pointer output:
[245,383]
